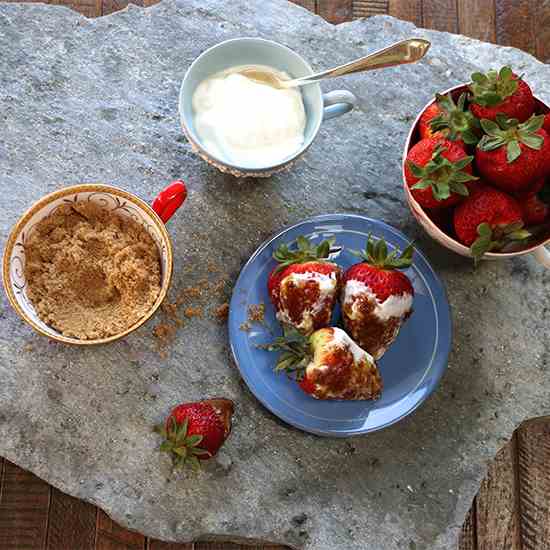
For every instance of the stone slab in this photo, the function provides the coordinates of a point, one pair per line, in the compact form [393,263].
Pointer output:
[96,100]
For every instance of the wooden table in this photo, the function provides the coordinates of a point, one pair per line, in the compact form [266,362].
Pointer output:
[512,509]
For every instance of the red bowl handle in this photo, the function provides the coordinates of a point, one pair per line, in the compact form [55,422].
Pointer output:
[169,200]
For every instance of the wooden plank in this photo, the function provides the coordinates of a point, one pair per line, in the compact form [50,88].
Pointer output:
[160,545]
[366,8]
[111,536]
[515,24]
[467,539]
[335,11]
[542,34]
[88,8]
[496,510]
[477,19]
[110,6]
[408,10]
[533,479]
[23,509]
[441,15]
[71,523]
[308,4]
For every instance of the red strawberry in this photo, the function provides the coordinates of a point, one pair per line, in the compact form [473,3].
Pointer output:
[489,220]
[533,189]
[436,171]
[376,299]
[546,124]
[328,364]
[305,286]
[501,92]
[196,431]
[535,203]
[513,156]
[445,118]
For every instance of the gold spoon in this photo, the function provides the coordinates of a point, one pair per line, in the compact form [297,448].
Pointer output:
[400,53]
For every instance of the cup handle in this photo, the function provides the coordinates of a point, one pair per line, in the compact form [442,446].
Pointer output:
[337,103]
[542,256]
[169,200]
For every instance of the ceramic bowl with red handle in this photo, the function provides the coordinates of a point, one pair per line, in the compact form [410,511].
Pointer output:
[107,197]
[537,248]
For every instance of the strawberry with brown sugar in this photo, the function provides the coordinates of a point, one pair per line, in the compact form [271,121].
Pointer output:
[376,298]
[500,92]
[196,431]
[438,172]
[304,286]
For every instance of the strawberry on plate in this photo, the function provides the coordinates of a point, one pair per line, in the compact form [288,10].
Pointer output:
[489,220]
[501,92]
[513,155]
[445,118]
[377,299]
[304,286]
[437,171]
[196,431]
[328,364]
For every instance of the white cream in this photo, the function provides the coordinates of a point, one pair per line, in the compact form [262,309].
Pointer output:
[393,306]
[247,123]
[327,285]
[340,337]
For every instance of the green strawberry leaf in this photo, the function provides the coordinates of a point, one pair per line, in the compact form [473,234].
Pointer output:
[532,141]
[462,163]
[423,184]
[166,447]
[513,151]
[489,127]
[459,188]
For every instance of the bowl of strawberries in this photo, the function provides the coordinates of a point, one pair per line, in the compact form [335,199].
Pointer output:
[476,168]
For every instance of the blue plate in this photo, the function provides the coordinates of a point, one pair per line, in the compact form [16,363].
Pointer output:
[411,368]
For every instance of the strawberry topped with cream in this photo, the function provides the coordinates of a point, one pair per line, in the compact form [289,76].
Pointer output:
[304,286]
[377,299]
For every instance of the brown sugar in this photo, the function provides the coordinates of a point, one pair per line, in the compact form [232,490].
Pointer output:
[193,312]
[222,312]
[256,313]
[91,273]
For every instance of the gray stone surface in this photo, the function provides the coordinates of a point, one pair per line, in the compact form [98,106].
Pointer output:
[95,100]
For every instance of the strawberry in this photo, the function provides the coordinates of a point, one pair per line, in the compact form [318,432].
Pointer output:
[512,156]
[376,299]
[327,364]
[196,431]
[489,220]
[304,286]
[546,123]
[436,170]
[501,92]
[451,120]
[535,203]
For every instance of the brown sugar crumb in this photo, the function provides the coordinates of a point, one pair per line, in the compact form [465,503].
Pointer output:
[91,273]
[213,267]
[256,313]
[222,312]
[193,312]
[245,327]
[188,294]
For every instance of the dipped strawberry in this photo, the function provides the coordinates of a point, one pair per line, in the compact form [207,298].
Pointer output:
[500,92]
[437,171]
[513,155]
[196,431]
[489,220]
[304,286]
[376,299]
[328,364]
[451,120]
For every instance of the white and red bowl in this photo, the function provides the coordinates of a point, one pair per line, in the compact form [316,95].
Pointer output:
[538,248]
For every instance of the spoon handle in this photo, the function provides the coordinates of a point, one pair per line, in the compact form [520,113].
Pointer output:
[406,51]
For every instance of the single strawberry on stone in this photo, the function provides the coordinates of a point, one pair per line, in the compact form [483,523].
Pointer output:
[196,431]
[450,120]
[376,298]
[304,286]
[489,220]
[500,92]
[327,364]
[513,155]
[437,171]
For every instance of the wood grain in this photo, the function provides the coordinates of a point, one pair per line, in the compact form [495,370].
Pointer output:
[111,536]
[24,508]
[468,539]
[496,525]
[542,30]
[477,19]
[71,523]
[308,4]
[515,24]
[408,10]
[335,11]
[440,14]
[366,8]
